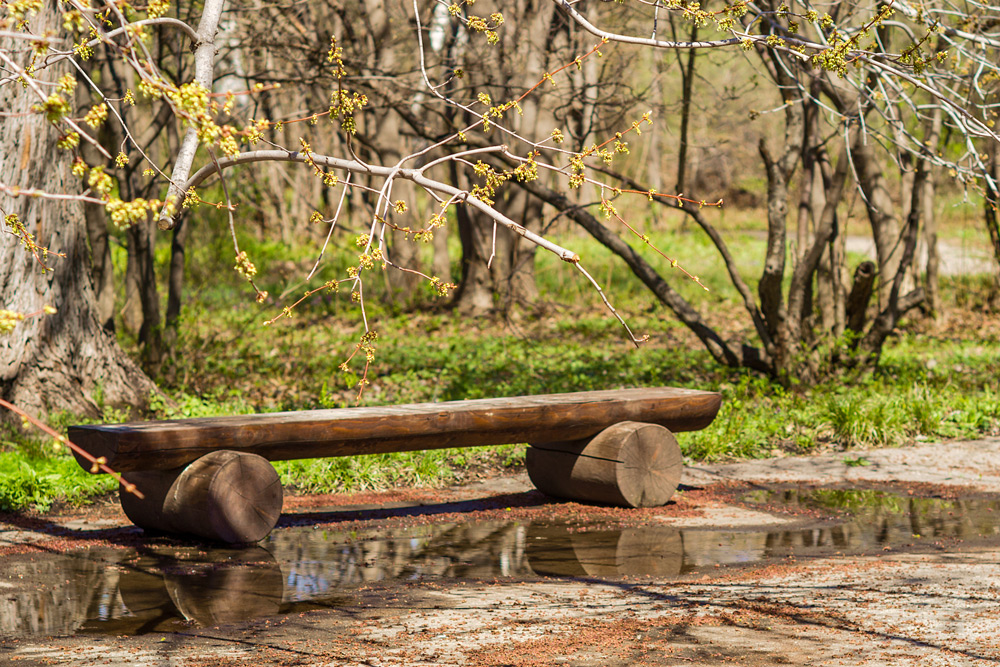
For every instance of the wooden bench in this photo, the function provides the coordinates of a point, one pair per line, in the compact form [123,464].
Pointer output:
[212,477]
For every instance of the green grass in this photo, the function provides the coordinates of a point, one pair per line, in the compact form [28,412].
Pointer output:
[403,469]
[37,481]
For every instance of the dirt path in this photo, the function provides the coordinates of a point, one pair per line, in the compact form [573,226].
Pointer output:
[954,258]
[929,603]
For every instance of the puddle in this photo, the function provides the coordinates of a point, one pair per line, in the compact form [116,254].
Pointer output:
[171,588]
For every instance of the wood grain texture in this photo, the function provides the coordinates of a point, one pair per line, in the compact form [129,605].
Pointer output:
[629,464]
[351,431]
[224,496]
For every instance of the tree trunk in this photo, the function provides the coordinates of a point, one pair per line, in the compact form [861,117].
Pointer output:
[403,251]
[523,287]
[860,296]
[687,82]
[899,303]
[769,288]
[990,216]
[101,268]
[150,331]
[131,309]
[885,226]
[55,362]
[175,281]
[514,266]
[442,261]
[931,277]
[475,290]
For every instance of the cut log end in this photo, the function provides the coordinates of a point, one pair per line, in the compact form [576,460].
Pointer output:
[651,465]
[630,464]
[225,496]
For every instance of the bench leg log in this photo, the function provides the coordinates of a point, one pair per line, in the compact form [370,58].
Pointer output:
[630,464]
[225,496]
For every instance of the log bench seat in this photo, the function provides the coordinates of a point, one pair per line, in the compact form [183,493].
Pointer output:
[212,477]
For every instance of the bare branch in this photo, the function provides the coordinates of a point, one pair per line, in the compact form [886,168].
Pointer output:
[415,175]
[204,65]
[641,41]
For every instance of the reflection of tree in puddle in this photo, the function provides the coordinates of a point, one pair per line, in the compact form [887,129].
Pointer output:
[167,588]
[879,518]
[75,586]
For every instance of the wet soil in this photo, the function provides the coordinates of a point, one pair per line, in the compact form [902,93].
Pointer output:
[788,561]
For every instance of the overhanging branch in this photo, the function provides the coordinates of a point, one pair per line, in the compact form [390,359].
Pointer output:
[354,166]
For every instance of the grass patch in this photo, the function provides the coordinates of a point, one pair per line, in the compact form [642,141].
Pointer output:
[380,471]
[37,482]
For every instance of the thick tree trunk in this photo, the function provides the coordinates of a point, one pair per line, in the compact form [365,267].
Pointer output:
[56,362]
[442,261]
[475,290]
[769,288]
[175,281]
[514,268]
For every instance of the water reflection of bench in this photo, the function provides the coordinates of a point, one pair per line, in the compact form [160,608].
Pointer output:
[212,477]
[124,591]
[229,586]
[163,588]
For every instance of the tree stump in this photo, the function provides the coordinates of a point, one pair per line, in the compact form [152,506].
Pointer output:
[225,496]
[630,464]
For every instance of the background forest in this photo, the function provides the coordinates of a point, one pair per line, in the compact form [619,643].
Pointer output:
[813,235]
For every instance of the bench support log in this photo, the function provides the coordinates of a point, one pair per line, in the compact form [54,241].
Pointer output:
[630,464]
[224,496]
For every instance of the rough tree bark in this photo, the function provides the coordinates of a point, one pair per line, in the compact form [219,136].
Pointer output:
[60,361]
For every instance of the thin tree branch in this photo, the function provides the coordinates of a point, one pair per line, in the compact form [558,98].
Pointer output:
[204,65]
[415,175]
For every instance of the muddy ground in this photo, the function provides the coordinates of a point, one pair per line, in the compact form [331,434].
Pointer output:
[693,583]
